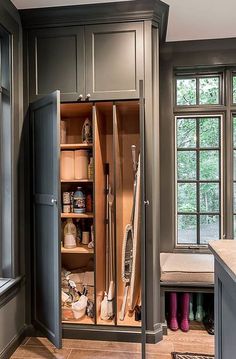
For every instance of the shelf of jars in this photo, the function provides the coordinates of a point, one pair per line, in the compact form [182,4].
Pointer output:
[74,146]
[79,249]
[77,181]
[77,215]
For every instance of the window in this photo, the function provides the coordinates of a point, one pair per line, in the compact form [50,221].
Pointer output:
[6,204]
[198,175]
[198,90]
[234,88]
[234,174]
[199,157]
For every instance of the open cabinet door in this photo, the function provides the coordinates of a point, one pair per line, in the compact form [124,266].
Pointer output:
[45,120]
[143,216]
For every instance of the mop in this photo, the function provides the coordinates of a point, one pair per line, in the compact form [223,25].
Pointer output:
[127,248]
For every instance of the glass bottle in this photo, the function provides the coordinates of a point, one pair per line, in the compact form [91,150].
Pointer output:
[70,234]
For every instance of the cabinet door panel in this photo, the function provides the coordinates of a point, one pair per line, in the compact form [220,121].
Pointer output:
[46,244]
[114,60]
[57,62]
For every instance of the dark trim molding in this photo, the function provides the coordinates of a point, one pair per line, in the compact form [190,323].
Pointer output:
[122,334]
[138,10]
[101,332]
[14,343]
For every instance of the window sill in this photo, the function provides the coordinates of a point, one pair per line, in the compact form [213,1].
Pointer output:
[8,289]
[204,250]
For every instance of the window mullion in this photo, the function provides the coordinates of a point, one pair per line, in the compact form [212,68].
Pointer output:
[198,177]
[197,91]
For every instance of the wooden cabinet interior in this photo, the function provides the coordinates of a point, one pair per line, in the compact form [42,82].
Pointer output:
[115,130]
[126,133]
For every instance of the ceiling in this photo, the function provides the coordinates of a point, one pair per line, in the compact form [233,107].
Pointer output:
[188,19]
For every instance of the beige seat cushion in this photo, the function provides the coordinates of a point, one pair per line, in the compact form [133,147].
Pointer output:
[187,267]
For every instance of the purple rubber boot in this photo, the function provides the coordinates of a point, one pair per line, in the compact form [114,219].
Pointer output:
[173,324]
[184,325]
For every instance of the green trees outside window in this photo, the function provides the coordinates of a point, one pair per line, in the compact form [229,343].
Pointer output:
[199,90]
[198,179]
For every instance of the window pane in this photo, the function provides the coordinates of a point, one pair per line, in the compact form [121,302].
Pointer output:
[234,165]
[186,132]
[187,197]
[234,197]
[209,228]
[234,131]
[186,92]
[209,131]
[187,229]
[209,197]
[234,226]
[209,165]
[186,165]
[234,89]
[209,88]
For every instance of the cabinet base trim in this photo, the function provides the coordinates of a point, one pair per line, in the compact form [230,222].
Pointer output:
[118,334]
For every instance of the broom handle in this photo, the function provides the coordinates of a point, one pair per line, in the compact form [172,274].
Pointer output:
[107,226]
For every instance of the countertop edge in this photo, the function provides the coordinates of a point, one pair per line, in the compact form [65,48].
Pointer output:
[223,263]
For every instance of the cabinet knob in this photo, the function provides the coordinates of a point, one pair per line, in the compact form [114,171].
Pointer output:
[146,203]
[88,96]
[53,201]
[80,97]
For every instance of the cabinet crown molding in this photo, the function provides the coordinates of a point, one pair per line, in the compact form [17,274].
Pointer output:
[134,10]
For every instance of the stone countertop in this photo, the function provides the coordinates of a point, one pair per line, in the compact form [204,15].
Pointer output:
[225,252]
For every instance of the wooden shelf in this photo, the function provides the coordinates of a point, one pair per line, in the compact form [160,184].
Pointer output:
[74,146]
[68,317]
[77,181]
[105,322]
[128,321]
[81,249]
[77,215]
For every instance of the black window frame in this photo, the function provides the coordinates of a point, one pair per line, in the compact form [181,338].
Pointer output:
[197,149]
[7,253]
[197,75]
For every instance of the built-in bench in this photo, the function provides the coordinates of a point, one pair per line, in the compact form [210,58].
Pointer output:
[185,272]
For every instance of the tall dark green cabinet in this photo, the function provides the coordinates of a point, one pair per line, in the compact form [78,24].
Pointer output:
[101,61]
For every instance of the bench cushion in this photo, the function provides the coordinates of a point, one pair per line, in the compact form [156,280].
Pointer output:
[187,268]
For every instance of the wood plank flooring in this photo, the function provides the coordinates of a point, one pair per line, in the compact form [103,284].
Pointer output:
[197,341]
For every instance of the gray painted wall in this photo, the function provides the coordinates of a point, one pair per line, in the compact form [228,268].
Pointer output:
[12,319]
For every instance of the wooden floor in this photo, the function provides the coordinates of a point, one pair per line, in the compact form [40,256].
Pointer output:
[196,341]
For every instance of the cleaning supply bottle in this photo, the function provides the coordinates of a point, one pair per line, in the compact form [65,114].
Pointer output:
[79,202]
[69,234]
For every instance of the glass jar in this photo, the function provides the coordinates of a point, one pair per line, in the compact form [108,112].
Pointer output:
[79,202]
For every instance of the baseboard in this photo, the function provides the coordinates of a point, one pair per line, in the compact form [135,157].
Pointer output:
[154,336]
[14,343]
[164,328]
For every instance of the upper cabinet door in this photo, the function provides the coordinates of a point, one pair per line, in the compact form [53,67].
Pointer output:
[56,60]
[114,60]
[45,120]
